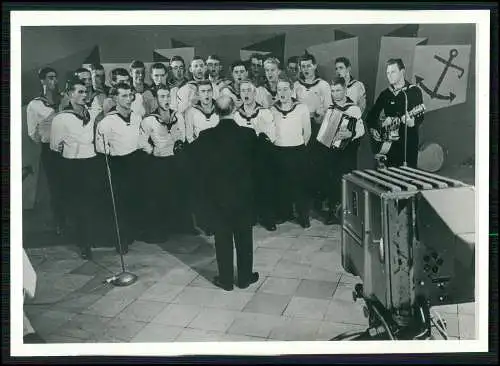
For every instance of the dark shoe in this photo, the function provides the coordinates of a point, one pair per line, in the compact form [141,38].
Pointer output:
[254,277]
[332,219]
[86,253]
[225,286]
[304,222]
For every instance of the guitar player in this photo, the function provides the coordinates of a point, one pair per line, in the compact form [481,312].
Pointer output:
[402,105]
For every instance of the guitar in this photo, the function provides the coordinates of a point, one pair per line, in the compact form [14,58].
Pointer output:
[390,128]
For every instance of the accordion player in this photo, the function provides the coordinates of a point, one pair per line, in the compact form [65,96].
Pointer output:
[340,133]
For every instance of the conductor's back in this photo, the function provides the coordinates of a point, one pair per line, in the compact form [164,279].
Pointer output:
[223,158]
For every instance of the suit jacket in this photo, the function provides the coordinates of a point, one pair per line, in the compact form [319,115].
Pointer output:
[222,159]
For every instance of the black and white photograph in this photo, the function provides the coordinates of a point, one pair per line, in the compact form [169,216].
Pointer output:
[279,181]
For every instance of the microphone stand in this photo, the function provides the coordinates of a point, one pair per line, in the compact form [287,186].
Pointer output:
[124,278]
[405,163]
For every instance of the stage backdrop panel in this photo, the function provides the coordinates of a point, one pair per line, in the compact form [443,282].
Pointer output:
[395,47]
[187,53]
[245,54]
[442,73]
[326,53]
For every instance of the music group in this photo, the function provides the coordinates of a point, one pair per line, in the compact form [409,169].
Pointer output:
[142,148]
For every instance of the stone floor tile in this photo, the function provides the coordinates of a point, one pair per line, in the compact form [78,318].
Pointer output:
[199,335]
[108,306]
[328,330]
[448,309]
[50,321]
[280,286]
[213,319]
[267,257]
[196,296]
[270,304]
[302,307]
[179,276]
[56,338]
[84,326]
[77,302]
[162,291]
[340,311]
[257,325]
[231,300]
[296,330]
[133,291]
[121,330]
[157,333]
[142,310]
[180,315]
[316,289]
[204,280]
[275,243]
[348,278]
[288,269]
[343,292]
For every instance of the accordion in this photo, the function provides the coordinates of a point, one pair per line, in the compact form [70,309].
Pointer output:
[329,131]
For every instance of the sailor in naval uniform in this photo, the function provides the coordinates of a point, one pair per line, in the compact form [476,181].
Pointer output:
[186,94]
[176,79]
[239,72]
[72,136]
[199,117]
[267,93]
[163,136]
[39,115]
[214,68]
[254,116]
[340,132]
[315,93]
[118,136]
[293,131]
[355,88]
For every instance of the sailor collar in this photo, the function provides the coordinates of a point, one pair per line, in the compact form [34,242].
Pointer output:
[230,86]
[351,83]
[277,106]
[85,118]
[113,111]
[200,108]
[268,88]
[307,85]
[45,101]
[348,104]
[255,113]
[173,118]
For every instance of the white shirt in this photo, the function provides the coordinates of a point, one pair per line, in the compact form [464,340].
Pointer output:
[39,119]
[71,137]
[185,96]
[265,96]
[117,137]
[197,121]
[230,90]
[357,93]
[293,128]
[158,137]
[260,120]
[316,96]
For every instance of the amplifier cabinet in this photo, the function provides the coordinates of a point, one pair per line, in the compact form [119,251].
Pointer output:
[381,217]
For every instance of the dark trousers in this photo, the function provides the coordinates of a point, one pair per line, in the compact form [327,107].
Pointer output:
[52,163]
[292,171]
[161,196]
[396,155]
[233,227]
[340,162]
[265,179]
[127,174]
[81,192]
[317,165]
[186,203]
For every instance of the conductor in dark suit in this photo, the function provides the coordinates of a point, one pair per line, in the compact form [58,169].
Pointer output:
[223,159]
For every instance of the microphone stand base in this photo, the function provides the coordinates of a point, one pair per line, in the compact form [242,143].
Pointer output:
[124,279]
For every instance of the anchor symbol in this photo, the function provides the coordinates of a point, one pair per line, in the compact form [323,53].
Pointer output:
[434,93]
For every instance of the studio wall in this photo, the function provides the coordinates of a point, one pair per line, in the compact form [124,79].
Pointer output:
[452,128]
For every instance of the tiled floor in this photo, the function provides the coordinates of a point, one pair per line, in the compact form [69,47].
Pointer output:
[303,293]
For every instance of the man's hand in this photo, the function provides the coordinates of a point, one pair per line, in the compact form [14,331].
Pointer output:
[387,122]
[375,134]
[410,122]
[344,134]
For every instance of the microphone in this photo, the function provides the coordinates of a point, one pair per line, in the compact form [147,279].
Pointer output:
[124,278]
